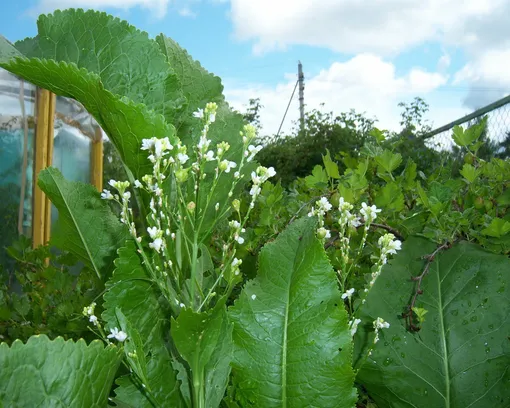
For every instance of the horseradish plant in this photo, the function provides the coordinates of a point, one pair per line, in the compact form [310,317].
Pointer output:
[173,311]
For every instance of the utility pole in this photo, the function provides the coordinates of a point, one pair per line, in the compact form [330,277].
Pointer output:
[301,81]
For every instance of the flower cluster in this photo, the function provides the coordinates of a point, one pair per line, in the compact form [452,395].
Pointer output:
[348,293]
[179,206]
[389,245]
[88,311]
[379,324]
[369,213]
[320,209]
[346,218]
[353,326]
[237,230]
[258,177]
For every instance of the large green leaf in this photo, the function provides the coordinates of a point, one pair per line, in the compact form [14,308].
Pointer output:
[292,344]
[86,226]
[461,356]
[204,340]
[126,122]
[127,61]
[198,86]
[57,373]
[130,290]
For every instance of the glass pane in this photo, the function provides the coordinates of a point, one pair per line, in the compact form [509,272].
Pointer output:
[74,131]
[17,130]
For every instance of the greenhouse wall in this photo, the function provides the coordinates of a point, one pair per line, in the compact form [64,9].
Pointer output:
[39,129]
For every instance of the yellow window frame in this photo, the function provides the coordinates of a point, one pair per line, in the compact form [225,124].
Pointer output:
[44,133]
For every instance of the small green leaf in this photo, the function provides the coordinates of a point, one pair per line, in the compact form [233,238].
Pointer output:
[331,166]
[86,226]
[57,373]
[410,174]
[420,313]
[133,348]
[469,172]
[497,228]
[204,340]
[504,198]
[318,179]
[390,197]
[377,134]
[466,137]
[388,161]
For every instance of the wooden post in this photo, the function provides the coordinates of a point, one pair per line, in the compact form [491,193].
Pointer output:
[96,160]
[42,118]
[49,161]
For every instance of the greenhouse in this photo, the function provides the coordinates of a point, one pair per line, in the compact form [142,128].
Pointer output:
[39,129]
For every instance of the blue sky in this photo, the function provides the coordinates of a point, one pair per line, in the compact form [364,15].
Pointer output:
[362,54]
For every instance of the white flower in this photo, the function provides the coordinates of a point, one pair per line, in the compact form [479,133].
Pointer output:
[199,114]
[252,151]
[154,232]
[240,240]
[324,204]
[353,325]
[236,262]
[389,245]
[234,224]
[353,221]
[182,157]
[255,178]
[119,335]
[212,117]
[203,143]
[156,244]
[106,195]
[379,323]
[271,172]
[147,144]
[217,206]
[138,184]
[93,319]
[344,205]
[348,294]
[253,297]
[226,165]
[161,146]
[255,190]
[209,156]
[370,213]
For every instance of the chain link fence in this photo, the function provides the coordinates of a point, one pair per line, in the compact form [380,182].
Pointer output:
[497,132]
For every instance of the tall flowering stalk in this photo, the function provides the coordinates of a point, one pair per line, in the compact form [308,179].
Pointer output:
[347,223]
[181,193]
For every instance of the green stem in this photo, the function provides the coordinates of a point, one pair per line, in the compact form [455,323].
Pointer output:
[194,257]
[198,388]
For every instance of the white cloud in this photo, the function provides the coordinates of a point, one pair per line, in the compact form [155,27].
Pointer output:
[387,28]
[354,26]
[186,12]
[488,77]
[365,83]
[157,7]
